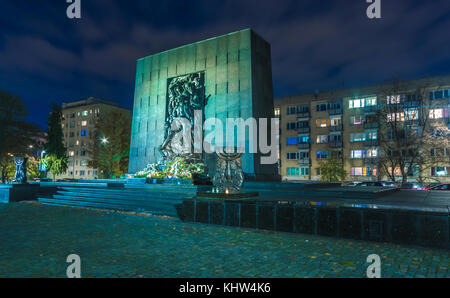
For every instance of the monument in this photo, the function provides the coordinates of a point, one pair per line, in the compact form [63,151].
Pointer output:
[229,76]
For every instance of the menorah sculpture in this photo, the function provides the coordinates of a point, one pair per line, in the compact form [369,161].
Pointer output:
[229,177]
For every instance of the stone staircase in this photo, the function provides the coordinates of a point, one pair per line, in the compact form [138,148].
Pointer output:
[154,200]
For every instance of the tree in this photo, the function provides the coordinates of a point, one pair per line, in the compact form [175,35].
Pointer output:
[332,170]
[109,145]
[410,130]
[16,135]
[56,159]
[55,145]
[56,165]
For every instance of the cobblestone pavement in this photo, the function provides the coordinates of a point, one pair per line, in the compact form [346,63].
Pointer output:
[35,241]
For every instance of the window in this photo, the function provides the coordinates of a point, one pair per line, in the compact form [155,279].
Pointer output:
[394,99]
[71,153]
[440,171]
[303,124]
[82,153]
[357,137]
[304,140]
[372,135]
[293,172]
[436,113]
[304,171]
[83,163]
[362,102]
[440,94]
[292,126]
[355,154]
[399,117]
[303,109]
[304,155]
[364,172]
[322,107]
[277,112]
[322,123]
[336,122]
[334,138]
[322,155]
[84,133]
[291,111]
[372,153]
[292,156]
[356,120]
[82,173]
[323,139]
[292,141]
[85,113]
[371,101]
[84,123]
[412,114]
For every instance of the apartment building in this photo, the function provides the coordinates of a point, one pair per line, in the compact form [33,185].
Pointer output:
[78,123]
[345,124]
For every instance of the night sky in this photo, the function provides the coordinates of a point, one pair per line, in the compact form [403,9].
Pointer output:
[316,45]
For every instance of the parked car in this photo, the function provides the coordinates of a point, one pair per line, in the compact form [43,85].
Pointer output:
[389,184]
[370,184]
[432,185]
[413,186]
[442,187]
[352,184]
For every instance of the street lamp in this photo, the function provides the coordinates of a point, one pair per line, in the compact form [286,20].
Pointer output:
[104,141]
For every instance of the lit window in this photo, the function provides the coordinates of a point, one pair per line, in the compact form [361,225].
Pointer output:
[84,123]
[85,113]
[436,113]
[322,123]
[277,112]
[71,153]
[399,117]
[293,172]
[357,137]
[412,114]
[84,133]
[371,101]
[322,139]
[358,154]
[356,120]
[292,141]
[372,153]
[372,135]
[395,99]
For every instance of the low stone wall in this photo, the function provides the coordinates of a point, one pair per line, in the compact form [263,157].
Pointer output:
[17,192]
[423,227]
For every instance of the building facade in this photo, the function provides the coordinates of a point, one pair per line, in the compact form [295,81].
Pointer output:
[78,124]
[235,73]
[345,124]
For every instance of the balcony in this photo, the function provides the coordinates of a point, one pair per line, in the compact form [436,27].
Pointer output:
[371,160]
[304,146]
[371,125]
[335,112]
[370,109]
[337,128]
[303,115]
[304,162]
[371,143]
[336,144]
[304,130]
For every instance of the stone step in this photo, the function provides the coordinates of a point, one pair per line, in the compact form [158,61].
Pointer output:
[164,210]
[135,200]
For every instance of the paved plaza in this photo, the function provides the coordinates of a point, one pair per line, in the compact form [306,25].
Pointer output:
[35,241]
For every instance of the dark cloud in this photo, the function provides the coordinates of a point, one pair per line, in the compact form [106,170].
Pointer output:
[316,44]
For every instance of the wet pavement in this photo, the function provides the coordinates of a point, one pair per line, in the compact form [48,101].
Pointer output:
[35,241]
